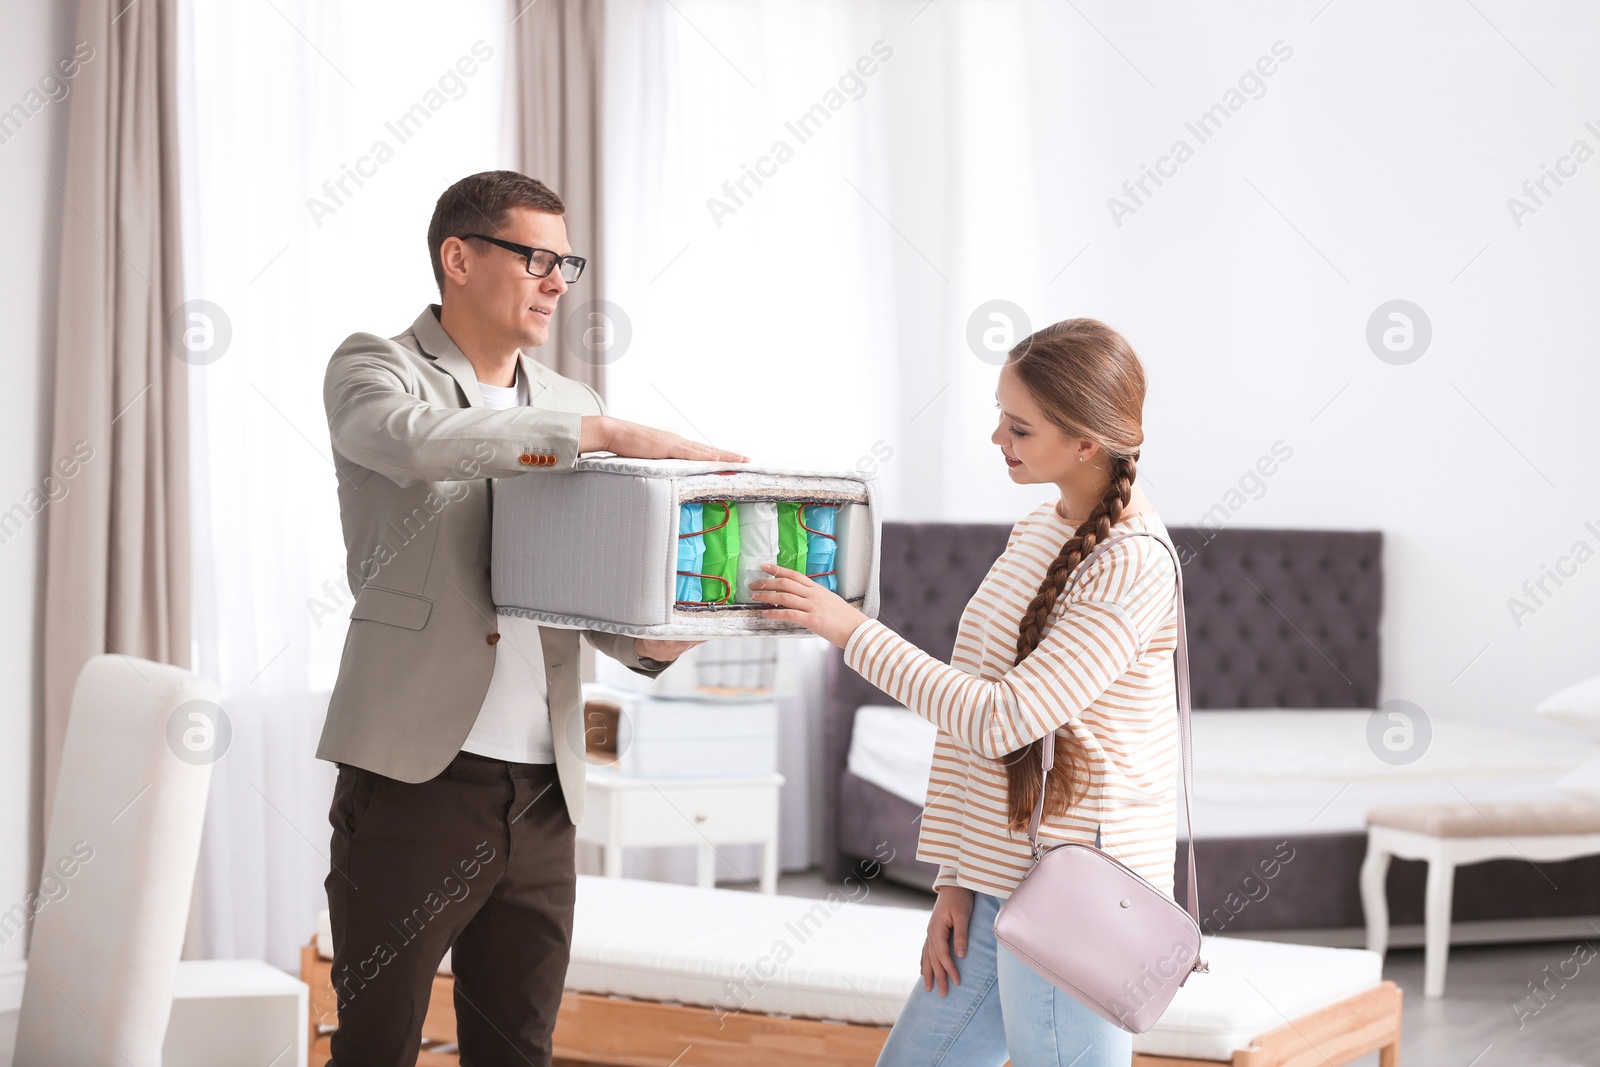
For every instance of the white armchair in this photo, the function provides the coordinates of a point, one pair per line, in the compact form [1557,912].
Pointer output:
[104,985]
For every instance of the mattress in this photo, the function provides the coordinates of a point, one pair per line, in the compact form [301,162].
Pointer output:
[892,747]
[1299,771]
[1253,987]
[728,949]
[666,548]
[1267,772]
[856,962]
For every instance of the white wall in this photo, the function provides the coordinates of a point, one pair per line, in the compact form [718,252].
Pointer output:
[1373,163]
[32,38]
[1376,165]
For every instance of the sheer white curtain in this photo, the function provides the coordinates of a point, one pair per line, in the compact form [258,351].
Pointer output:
[808,201]
[766,316]
[751,271]
[318,137]
[743,246]
[982,164]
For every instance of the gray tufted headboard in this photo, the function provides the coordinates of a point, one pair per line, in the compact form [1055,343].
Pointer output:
[1277,618]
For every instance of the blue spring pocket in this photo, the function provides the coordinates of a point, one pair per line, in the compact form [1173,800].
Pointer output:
[716,564]
[691,550]
[819,521]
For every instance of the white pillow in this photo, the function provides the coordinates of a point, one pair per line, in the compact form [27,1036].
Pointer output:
[1583,781]
[1577,705]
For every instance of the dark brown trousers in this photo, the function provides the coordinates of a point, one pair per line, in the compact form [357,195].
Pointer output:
[480,860]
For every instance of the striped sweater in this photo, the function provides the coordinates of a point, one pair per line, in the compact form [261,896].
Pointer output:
[1103,670]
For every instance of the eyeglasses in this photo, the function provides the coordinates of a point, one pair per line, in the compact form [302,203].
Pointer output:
[541,261]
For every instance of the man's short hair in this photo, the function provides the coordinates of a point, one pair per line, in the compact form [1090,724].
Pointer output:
[479,203]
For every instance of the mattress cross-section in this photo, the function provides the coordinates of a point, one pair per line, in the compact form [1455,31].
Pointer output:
[669,547]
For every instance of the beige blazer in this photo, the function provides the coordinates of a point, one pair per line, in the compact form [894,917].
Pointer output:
[414,457]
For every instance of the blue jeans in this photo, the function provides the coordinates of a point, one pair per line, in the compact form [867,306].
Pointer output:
[1002,1007]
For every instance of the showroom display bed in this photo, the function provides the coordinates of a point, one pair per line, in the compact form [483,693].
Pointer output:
[738,977]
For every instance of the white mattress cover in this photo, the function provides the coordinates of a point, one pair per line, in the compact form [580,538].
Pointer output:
[1294,745]
[1270,772]
[1287,809]
[730,949]
[1261,773]
[857,962]
[625,563]
[892,747]
[1253,987]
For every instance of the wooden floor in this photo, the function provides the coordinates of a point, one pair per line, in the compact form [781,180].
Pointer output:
[1475,1024]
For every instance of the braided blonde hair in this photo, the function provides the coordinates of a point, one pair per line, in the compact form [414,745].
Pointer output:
[1088,381]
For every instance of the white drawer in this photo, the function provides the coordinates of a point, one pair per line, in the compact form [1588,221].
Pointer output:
[690,738]
[640,815]
[699,757]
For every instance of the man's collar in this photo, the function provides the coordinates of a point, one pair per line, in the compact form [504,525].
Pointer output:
[429,331]
[438,346]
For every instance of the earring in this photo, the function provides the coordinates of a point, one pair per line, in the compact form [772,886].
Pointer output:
[1080,459]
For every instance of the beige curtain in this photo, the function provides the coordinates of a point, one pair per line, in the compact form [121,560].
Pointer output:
[117,547]
[559,45]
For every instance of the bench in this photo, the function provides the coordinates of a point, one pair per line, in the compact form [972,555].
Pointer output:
[1449,835]
[671,974]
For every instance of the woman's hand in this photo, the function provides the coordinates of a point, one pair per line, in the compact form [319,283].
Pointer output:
[947,928]
[798,599]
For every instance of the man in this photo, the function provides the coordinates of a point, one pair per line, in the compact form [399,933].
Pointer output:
[459,734]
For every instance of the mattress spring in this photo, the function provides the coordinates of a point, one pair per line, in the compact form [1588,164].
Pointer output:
[814,497]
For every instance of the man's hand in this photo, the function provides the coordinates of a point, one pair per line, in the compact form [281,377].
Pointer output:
[602,433]
[652,648]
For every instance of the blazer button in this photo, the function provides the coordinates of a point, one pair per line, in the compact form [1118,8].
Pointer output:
[528,459]
[494,637]
[549,461]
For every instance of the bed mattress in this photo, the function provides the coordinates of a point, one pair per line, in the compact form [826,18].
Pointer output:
[733,950]
[1264,772]
[857,962]
[666,548]
[892,747]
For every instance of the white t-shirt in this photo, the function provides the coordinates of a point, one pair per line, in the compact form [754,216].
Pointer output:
[514,721]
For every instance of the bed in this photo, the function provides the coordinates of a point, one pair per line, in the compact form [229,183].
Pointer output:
[738,978]
[1284,661]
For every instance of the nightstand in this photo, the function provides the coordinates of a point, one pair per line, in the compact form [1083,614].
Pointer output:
[624,811]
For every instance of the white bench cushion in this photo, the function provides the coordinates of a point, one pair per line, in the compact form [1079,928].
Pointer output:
[856,962]
[1507,818]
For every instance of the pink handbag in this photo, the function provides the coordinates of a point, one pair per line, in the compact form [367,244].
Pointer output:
[1092,926]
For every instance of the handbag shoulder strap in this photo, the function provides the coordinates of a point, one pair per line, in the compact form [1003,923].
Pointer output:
[1180,660]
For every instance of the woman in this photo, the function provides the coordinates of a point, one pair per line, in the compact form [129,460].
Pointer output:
[1091,667]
